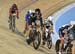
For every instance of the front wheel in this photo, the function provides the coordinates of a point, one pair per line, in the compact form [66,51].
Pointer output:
[57,46]
[49,42]
[37,40]
[13,23]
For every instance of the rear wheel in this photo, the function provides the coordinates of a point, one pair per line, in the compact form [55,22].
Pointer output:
[69,51]
[37,40]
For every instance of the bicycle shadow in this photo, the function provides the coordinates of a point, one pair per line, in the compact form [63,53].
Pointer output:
[40,49]
[19,33]
[43,50]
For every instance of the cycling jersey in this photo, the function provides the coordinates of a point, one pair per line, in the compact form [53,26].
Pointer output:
[13,9]
[61,33]
[32,19]
[48,23]
[39,15]
[27,16]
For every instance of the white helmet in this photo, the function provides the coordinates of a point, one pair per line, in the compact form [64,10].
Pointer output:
[32,11]
[50,18]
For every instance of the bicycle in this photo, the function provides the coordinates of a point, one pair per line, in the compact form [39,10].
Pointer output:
[47,39]
[67,49]
[12,22]
[35,35]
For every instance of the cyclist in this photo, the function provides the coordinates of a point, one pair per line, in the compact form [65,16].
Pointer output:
[38,14]
[32,20]
[13,9]
[64,36]
[27,16]
[48,28]
[35,16]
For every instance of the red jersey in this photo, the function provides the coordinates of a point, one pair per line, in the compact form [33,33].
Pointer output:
[13,9]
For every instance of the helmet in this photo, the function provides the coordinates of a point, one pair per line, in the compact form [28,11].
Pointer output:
[66,26]
[31,11]
[14,6]
[37,10]
[50,18]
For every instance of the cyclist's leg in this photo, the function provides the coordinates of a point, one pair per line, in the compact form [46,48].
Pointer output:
[29,22]
[73,48]
[61,44]
[26,25]
[14,22]
[9,19]
[10,22]
[30,31]
[29,38]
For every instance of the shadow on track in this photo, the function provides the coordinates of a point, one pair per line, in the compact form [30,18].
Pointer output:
[41,49]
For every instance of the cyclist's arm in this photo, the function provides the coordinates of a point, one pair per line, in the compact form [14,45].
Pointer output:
[17,12]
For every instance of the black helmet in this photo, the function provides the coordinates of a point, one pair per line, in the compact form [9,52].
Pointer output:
[14,6]
[37,10]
